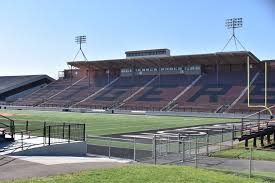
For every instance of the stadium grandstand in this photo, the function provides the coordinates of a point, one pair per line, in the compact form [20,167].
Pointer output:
[153,80]
[13,88]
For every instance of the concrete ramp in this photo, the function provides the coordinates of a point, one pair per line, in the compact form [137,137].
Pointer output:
[62,149]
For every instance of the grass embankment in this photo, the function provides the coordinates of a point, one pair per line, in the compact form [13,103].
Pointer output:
[240,152]
[143,174]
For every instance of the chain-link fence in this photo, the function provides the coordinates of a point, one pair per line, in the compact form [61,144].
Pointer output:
[219,151]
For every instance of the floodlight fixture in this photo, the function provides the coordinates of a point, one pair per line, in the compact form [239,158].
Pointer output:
[80,40]
[234,23]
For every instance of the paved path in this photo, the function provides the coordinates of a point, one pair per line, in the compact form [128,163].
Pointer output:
[17,168]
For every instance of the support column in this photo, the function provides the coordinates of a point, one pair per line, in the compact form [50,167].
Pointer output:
[255,142]
[262,141]
[246,143]
[268,139]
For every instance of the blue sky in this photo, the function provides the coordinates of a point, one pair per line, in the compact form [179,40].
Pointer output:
[37,37]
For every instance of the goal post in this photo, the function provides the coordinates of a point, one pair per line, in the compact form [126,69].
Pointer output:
[265,106]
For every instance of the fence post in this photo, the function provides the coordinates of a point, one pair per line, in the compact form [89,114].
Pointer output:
[190,146]
[183,150]
[168,139]
[233,136]
[155,149]
[49,143]
[179,143]
[134,148]
[22,143]
[207,143]
[27,126]
[109,153]
[242,127]
[250,163]
[196,153]
[84,132]
[44,132]
[221,140]
[69,134]
[222,135]
[63,131]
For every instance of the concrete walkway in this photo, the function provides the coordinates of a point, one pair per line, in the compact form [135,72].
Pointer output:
[28,167]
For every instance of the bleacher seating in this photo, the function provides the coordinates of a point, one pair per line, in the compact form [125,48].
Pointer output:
[76,92]
[116,93]
[14,87]
[159,93]
[212,91]
[257,95]
[43,94]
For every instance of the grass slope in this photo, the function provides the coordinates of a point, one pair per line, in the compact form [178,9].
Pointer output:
[245,154]
[144,174]
[240,152]
[102,124]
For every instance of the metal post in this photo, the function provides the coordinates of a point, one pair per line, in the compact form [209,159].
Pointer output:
[233,136]
[242,128]
[155,149]
[63,131]
[22,143]
[166,147]
[49,143]
[221,140]
[84,132]
[179,143]
[196,153]
[207,143]
[109,154]
[222,135]
[250,163]
[134,149]
[168,138]
[190,146]
[27,126]
[183,150]
[69,134]
[44,133]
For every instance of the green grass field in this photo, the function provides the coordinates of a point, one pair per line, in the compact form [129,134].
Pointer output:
[102,124]
[146,173]
[240,152]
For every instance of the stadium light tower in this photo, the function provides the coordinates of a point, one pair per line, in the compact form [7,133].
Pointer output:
[234,23]
[80,40]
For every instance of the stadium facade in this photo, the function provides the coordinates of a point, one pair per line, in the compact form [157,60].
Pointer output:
[153,80]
